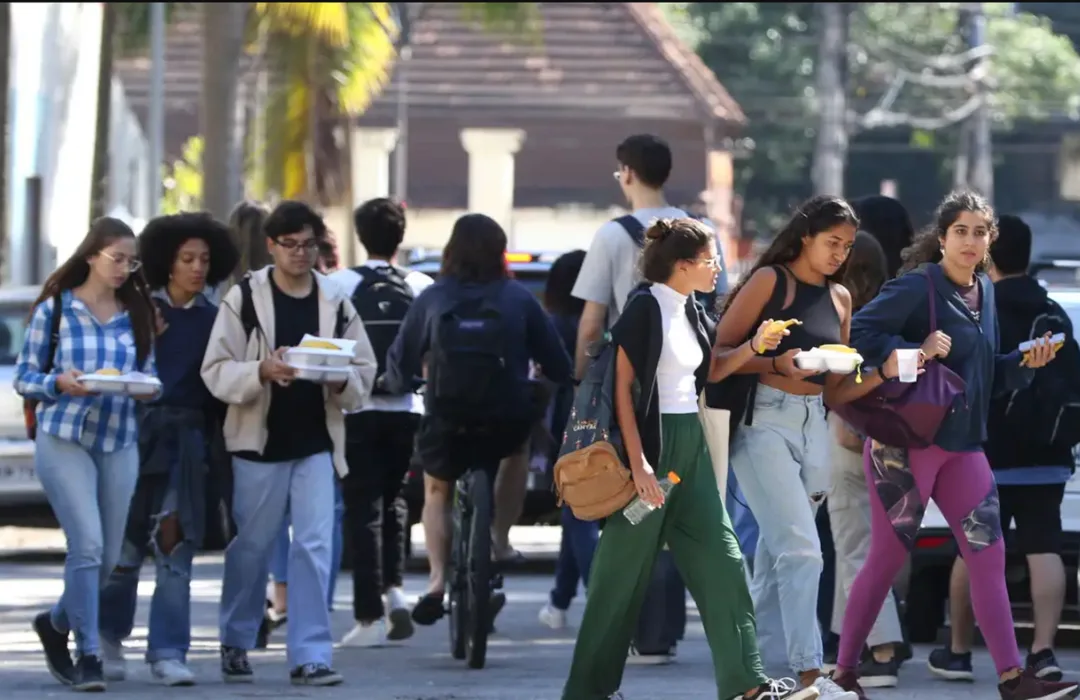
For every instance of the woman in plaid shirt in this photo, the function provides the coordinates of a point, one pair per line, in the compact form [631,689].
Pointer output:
[86,455]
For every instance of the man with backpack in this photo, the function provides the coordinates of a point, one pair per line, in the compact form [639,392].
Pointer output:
[608,275]
[379,437]
[286,437]
[1031,434]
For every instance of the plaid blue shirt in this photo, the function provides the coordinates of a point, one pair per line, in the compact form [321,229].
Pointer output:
[103,423]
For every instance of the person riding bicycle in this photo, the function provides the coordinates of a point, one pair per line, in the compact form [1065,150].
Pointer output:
[471,335]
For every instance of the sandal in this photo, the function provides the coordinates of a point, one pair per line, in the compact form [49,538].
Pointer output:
[429,609]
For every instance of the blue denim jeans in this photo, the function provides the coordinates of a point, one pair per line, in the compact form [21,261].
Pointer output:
[262,494]
[90,493]
[279,562]
[579,538]
[787,445]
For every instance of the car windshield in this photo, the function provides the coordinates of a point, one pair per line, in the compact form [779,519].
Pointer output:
[12,330]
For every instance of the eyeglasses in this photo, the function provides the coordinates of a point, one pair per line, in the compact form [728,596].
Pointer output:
[713,262]
[132,264]
[306,246]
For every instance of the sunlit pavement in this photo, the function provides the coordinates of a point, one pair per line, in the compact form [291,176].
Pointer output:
[525,661]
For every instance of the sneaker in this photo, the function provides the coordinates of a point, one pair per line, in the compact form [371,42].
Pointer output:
[829,690]
[112,655]
[1028,686]
[172,673]
[637,658]
[89,675]
[315,674]
[1045,665]
[949,666]
[878,674]
[55,646]
[366,635]
[235,667]
[784,689]
[850,683]
[397,612]
[552,617]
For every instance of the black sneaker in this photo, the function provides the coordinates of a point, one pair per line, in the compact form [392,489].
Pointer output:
[89,675]
[235,667]
[315,674]
[950,666]
[877,674]
[1044,665]
[904,653]
[55,646]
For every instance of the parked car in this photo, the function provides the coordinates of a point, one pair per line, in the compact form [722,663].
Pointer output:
[935,548]
[18,483]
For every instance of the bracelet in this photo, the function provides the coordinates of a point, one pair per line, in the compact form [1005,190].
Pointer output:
[881,373]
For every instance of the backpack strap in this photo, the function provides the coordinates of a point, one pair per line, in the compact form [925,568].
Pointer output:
[634,228]
[249,320]
[340,322]
[54,333]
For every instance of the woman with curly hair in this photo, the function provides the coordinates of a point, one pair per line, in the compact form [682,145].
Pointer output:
[182,255]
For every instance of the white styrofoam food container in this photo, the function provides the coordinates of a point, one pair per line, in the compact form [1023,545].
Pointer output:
[323,374]
[821,360]
[319,357]
[131,384]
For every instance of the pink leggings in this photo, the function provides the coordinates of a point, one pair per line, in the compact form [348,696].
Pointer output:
[901,482]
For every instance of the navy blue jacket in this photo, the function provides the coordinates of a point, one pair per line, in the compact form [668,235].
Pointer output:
[899,317]
[531,332]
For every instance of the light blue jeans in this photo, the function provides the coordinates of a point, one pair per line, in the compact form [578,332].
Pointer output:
[787,444]
[262,494]
[279,561]
[90,493]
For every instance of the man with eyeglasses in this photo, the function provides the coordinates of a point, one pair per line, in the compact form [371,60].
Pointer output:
[286,437]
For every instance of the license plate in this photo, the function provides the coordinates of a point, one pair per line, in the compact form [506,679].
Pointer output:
[17,473]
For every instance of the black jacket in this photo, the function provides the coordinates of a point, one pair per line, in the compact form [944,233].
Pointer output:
[639,333]
[1008,445]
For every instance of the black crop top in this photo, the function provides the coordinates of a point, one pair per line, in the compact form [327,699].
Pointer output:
[813,306]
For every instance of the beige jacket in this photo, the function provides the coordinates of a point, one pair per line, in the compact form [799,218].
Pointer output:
[230,367]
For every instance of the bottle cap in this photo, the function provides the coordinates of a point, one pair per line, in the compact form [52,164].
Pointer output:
[673,477]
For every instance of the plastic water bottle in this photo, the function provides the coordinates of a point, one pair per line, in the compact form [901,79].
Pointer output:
[636,511]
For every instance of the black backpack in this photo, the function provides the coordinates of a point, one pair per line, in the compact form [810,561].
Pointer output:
[1048,411]
[382,298]
[249,320]
[469,383]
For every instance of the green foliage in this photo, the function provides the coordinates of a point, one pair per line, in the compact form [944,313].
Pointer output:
[183,182]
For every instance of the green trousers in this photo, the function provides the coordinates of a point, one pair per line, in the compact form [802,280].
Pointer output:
[696,529]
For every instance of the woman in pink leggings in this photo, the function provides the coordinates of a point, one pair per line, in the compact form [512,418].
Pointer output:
[947,261]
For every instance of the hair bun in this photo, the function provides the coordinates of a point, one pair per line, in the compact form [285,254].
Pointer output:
[660,229]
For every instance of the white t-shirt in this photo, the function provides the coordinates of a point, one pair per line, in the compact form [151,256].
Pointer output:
[418,282]
[680,354]
[611,270]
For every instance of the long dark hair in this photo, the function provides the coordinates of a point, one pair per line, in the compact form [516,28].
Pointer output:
[133,293]
[814,216]
[888,221]
[927,246]
[476,251]
[558,298]
[867,269]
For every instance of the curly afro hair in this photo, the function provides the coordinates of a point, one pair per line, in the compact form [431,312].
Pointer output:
[163,236]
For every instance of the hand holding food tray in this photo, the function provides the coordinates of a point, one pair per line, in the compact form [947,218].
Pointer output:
[112,381]
[839,359]
[321,360]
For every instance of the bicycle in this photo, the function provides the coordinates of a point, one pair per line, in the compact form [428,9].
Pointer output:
[471,575]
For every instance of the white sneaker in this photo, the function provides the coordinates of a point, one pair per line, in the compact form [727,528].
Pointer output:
[113,661]
[172,672]
[828,690]
[552,617]
[366,636]
[635,658]
[786,689]
[399,615]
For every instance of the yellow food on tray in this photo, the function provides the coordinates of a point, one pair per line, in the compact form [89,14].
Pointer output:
[319,345]
[1027,355]
[109,372]
[838,348]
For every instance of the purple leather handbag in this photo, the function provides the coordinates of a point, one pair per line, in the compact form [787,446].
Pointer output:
[908,415]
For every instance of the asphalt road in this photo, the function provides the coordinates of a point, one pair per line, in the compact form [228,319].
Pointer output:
[525,661]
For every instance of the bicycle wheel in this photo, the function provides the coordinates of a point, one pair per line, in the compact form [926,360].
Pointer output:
[478,622]
[456,573]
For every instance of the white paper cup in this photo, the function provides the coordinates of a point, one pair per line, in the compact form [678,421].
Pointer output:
[908,365]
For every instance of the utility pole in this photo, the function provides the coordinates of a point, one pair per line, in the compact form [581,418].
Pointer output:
[982,170]
[157,108]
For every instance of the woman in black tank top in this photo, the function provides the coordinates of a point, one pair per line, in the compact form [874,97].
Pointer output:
[784,440]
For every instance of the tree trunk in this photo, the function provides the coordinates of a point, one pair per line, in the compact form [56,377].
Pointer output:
[223,33]
[830,150]
[99,179]
[982,156]
[5,85]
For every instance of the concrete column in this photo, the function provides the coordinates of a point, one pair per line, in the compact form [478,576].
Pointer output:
[371,148]
[491,172]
